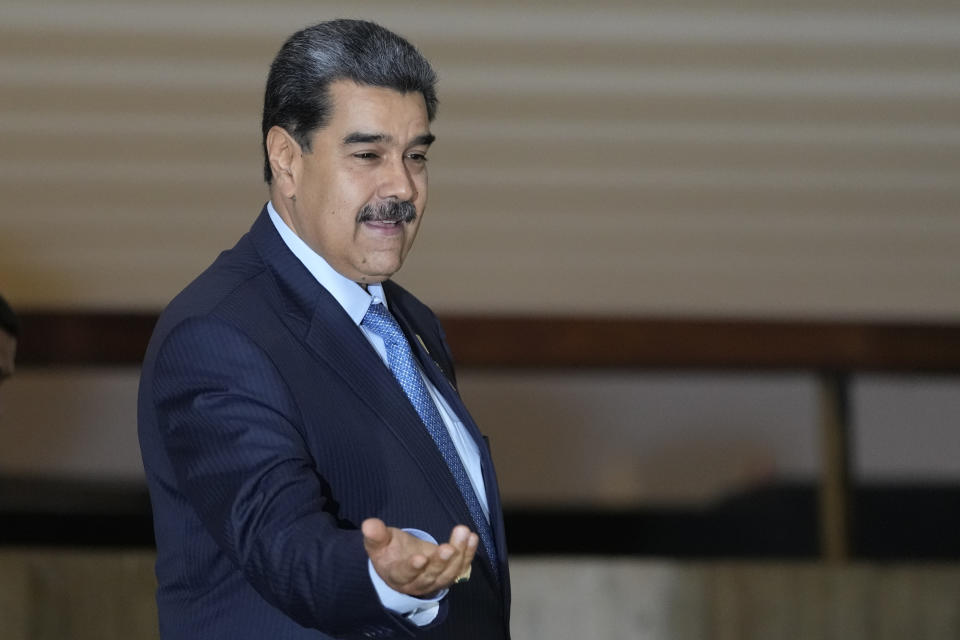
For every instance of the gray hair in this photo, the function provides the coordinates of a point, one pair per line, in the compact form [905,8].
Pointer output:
[297,97]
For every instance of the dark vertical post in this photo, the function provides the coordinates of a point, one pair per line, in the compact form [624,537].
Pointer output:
[836,496]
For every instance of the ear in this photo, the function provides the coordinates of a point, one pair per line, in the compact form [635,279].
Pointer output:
[284,154]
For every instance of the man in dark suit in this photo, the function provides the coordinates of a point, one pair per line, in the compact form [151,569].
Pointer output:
[313,471]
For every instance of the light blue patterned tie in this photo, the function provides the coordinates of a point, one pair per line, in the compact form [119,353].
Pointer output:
[401,362]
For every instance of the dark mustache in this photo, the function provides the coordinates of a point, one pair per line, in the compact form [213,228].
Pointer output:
[388,211]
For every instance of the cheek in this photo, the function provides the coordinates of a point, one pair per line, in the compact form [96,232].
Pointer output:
[357,186]
[411,235]
[422,185]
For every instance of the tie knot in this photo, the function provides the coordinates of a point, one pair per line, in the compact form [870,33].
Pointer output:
[381,322]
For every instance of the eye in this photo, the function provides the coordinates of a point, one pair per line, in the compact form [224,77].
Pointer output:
[417,157]
[365,155]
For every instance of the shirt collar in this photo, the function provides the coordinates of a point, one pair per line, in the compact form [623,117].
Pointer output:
[351,296]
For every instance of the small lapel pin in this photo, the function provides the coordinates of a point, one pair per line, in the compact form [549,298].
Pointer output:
[422,344]
[442,370]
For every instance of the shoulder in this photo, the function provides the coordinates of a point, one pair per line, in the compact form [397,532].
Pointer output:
[231,288]
[231,274]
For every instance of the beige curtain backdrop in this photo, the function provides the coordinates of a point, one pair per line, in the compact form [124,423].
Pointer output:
[722,159]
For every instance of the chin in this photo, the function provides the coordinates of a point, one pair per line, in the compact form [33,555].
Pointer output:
[382,271]
[379,276]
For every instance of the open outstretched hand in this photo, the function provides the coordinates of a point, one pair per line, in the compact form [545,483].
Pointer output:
[414,566]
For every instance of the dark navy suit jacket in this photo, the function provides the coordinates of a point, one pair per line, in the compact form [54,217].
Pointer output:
[270,429]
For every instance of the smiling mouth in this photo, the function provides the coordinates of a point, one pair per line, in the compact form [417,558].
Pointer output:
[385,228]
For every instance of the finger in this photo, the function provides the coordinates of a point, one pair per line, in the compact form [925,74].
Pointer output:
[467,560]
[459,537]
[436,568]
[457,554]
[412,559]
[405,573]
[457,546]
[425,581]
[376,535]
[419,562]
[447,551]
[447,577]
[438,561]
[459,563]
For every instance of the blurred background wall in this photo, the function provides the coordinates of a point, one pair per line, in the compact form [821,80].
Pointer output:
[775,160]
[752,159]
[736,158]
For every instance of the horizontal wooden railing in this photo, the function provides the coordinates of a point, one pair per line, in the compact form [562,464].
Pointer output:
[109,338]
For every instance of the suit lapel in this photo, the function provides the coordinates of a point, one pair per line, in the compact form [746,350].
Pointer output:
[439,379]
[314,314]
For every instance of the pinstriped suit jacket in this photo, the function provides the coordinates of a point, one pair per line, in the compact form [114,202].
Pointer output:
[270,429]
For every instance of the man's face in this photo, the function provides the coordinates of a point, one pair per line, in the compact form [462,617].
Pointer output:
[8,349]
[366,168]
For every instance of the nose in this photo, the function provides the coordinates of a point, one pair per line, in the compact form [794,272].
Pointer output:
[397,182]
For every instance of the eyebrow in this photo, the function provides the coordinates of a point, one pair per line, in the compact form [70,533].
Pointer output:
[358,137]
[425,139]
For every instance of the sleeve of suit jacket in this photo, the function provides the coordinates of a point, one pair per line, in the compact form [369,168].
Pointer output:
[232,432]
